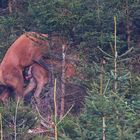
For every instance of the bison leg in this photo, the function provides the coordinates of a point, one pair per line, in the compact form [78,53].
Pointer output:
[15,81]
[30,87]
[38,91]
[4,96]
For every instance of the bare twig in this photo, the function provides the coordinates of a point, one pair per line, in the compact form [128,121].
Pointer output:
[41,115]
[101,93]
[65,115]
[15,120]
[1,130]
[104,52]
[126,52]
[115,56]
[55,112]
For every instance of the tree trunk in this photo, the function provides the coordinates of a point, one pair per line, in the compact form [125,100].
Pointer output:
[128,26]
[12,6]
[63,81]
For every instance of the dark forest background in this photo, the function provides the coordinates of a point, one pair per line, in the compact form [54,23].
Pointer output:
[108,112]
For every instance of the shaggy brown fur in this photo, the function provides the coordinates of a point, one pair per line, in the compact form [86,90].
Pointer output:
[39,76]
[26,50]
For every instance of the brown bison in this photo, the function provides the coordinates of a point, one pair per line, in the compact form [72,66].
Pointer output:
[39,77]
[29,48]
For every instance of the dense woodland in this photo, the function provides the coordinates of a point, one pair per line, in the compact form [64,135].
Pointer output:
[103,42]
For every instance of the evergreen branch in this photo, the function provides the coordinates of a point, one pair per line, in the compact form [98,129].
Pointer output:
[96,66]
[126,52]
[41,116]
[104,52]
[106,86]
[138,78]
[124,103]
[112,49]
[65,114]
[126,59]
